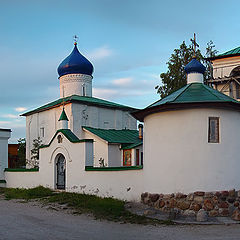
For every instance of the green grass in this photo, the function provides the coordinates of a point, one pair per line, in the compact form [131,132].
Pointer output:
[2,190]
[27,194]
[100,208]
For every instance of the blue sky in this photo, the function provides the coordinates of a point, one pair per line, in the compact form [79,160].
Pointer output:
[128,42]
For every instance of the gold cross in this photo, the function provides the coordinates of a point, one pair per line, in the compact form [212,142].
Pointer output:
[194,44]
[75,38]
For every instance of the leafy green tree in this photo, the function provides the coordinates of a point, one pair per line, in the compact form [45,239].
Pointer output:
[34,162]
[175,77]
[210,52]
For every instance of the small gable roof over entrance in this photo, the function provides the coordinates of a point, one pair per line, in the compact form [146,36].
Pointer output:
[69,135]
[193,95]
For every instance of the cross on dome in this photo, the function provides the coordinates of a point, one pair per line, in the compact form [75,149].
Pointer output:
[75,38]
[195,44]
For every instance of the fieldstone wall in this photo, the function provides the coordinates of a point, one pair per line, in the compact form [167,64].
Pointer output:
[212,204]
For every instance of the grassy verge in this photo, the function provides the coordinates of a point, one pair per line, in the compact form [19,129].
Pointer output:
[100,208]
[27,194]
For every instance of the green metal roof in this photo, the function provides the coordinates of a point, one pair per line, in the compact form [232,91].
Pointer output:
[124,136]
[63,116]
[194,92]
[69,135]
[231,52]
[189,96]
[132,145]
[82,100]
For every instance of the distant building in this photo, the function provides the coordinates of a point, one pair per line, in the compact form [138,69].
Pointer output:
[226,73]
[13,156]
[4,136]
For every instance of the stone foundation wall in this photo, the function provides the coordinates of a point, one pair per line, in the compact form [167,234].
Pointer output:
[215,204]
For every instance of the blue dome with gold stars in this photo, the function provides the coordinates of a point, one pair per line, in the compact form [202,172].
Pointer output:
[75,63]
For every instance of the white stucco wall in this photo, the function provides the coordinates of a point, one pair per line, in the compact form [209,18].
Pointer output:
[4,136]
[99,117]
[79,115]
[118,184]
[100,148]
[178,157]
[49,121]
[73,84]
[23,179]
[114,155]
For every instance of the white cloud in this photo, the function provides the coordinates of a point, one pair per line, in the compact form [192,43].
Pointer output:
[100,53]
[123,82]
[20,109]
[4,123]
[12,116]
[104,93]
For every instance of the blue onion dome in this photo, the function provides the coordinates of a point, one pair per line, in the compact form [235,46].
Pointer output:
[75,63]
[194,67]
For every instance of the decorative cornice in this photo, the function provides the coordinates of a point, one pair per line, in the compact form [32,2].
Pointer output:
[76,78]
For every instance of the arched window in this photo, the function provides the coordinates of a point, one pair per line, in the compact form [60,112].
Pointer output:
[235,72]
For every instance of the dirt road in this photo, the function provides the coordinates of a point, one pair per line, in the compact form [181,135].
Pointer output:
[26,221]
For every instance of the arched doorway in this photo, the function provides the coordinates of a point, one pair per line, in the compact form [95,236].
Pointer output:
[60,172]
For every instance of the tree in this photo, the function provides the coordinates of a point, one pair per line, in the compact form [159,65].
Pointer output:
[210,52]
[34,162]
[175,77]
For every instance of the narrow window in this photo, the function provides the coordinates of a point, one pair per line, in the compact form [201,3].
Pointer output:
[42,131]
[142,158]
[137,157]
[213,130]
[83,90]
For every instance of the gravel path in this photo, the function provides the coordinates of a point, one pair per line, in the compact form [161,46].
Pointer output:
[31,221]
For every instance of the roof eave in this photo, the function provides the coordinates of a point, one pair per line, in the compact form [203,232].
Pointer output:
[44,109]
[104,106]
[71,100]
[222,56]
[140,115]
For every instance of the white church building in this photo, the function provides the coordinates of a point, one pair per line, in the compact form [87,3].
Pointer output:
[189,142]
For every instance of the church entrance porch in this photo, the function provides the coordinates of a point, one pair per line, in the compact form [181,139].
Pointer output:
[60,172]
